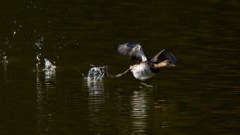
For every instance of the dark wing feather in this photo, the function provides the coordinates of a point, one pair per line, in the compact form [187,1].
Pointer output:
[165,55]
[134,50]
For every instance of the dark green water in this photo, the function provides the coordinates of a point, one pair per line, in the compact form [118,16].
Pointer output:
[199,96]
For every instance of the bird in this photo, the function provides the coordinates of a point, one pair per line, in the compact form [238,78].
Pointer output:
[145,68]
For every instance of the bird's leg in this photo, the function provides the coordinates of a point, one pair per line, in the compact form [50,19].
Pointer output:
[121,74]
[147,84]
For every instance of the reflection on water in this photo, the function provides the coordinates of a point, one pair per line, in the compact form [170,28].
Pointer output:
[5,64]
[145,111]
[96,94]
[201,94]
[139,111]
[45,81]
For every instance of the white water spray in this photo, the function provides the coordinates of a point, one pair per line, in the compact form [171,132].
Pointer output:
[49,69]
[97,73]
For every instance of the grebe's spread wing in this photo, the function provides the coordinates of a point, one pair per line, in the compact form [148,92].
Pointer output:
[134,50]
[165,55]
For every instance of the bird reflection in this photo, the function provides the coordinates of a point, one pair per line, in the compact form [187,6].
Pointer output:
[139,114]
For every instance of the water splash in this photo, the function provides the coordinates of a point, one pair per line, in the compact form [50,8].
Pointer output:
[50,69]
[94,79]
[97,73]
[42,63]
[49,65]
[39,43]
[5,61]
[38,51]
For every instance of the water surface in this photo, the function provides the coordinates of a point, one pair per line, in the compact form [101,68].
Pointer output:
[199,96]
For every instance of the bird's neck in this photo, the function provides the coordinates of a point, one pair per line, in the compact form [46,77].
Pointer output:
[162,64]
